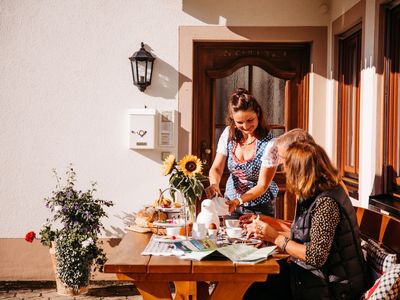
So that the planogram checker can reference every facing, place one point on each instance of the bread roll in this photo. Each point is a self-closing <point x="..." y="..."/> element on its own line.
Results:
<point x="145" y="216"/>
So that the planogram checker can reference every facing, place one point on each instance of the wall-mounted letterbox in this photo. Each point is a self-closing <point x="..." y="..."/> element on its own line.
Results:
<point x="142" y="130"/>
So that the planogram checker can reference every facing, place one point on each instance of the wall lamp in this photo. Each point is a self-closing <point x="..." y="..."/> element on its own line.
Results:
<point x="142" y="68"/>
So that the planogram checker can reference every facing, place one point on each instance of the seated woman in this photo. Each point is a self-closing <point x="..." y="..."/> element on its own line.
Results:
<point x="326" y="261"/>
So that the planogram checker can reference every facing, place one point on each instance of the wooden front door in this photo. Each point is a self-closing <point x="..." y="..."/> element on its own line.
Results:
<point x="275" y="73"/>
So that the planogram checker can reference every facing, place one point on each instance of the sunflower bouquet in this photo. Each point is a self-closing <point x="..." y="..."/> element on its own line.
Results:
<point x="186" y="176"/>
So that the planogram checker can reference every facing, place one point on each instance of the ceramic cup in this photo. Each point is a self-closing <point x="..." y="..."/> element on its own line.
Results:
<point x="232" y="223"/>
<point x="234" y="232"/>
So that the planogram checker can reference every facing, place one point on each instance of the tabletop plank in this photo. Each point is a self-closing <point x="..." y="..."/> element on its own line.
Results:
<point x="213" y="266"/>
<point x="168" y="264"/>
<point x="126" y="257"/>
<point x="269" y="266"/>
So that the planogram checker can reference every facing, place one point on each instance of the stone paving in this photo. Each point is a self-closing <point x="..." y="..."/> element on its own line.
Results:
<point x="46" y="290"/>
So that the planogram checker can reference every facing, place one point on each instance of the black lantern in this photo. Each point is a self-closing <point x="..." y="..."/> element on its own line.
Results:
<point x="142" y="68"/>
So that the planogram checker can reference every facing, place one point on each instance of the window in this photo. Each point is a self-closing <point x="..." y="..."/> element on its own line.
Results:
<point x="392" y="102"/>
<point x="267" y="89"/>
<point x="349" y="108"/>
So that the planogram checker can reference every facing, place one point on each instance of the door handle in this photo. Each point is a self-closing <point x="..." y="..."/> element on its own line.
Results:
<point x="205" y="152"/>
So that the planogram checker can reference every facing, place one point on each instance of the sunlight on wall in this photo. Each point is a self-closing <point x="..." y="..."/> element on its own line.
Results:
<point x="319" y="110"/>
<point x="329" y="116"/>
<point x="311" y="101"/>
<point x="368" y="132"/>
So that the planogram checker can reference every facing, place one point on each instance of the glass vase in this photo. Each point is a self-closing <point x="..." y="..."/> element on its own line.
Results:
<point x="191" y="212"/>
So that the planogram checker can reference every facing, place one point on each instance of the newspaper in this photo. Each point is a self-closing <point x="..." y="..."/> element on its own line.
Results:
<point x="238" y="253"/>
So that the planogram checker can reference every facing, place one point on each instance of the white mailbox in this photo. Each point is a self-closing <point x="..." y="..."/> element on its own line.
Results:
<point x="143" y="128"/>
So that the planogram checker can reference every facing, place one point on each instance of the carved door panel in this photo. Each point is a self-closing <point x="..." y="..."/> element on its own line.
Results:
<point x="276" y="74"/>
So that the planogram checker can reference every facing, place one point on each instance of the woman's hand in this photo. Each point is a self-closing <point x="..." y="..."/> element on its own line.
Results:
<point x="232" y="204"/>
<point x="246" y="219"/>
<point x="278" y="224"/>
<point x="262" y="231"/>
<point x="213" y="190"/>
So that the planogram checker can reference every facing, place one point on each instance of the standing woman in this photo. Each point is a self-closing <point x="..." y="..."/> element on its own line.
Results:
<point x="326" y="261"/>
<point x="241" y="146"/>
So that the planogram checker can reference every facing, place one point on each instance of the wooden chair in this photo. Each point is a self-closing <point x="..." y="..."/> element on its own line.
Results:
<point x="383" y="229"/>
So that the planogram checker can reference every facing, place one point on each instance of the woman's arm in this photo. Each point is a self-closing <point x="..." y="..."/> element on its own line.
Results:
<point x="264" y="180"/>
<point x="280" y="225"/>
<point x="266" y="232"/>
<point x="218" y="165"/>
<point x="215" y="175"/>
<point x="324" y="221"/>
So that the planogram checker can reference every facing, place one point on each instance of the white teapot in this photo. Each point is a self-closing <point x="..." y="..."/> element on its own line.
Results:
<point x="208" y="214"/>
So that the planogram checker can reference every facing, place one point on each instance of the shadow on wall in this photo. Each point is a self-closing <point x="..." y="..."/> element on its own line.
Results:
<point x="164" y="83"/>
<point x="127" y="219"/>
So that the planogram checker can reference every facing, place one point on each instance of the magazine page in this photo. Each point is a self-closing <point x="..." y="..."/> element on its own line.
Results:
<point x="195" y="245"/>
<point x="246" y="254"/>
<point x="159" y="248"/>
<point x="164" y="246"/>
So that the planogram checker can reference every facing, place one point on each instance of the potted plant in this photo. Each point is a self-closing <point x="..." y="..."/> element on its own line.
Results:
<point x="73" y="233"/>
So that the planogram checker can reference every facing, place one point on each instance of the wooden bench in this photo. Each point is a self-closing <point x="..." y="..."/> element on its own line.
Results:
<point x="383" y="229"/>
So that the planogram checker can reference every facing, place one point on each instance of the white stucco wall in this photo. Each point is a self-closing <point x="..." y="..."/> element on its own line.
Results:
<point x="66" y="88"/>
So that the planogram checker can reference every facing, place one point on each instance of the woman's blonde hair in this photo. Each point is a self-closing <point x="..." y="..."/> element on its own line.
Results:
<point x="309" y="170"/>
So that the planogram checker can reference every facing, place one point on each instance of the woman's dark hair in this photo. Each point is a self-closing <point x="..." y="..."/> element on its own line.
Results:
<point x="241" y="100"/>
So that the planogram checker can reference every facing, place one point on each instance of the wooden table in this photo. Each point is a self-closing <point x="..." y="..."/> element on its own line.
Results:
<point x="152" y="274"/>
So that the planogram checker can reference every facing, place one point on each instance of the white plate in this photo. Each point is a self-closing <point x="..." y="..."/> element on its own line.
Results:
<point x="175" y="223"/>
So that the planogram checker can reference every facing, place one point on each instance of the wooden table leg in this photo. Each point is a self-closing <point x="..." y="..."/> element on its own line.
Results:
<point x="185" y="290"/>
<point x="151" y="290"/>
<point x="230" y="290"/>
<point x="191" y="290"/>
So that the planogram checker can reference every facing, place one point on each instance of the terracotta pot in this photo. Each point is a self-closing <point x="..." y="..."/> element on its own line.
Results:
<point x="61" y="288"/>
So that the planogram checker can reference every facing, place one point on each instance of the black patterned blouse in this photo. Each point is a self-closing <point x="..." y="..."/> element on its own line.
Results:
<point x="324" y="220"/>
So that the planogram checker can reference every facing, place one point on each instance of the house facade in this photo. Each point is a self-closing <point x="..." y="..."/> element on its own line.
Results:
<point x="331" y="67"/>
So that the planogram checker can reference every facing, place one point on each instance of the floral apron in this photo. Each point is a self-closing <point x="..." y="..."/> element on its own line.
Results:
<point x="244" y="176"/>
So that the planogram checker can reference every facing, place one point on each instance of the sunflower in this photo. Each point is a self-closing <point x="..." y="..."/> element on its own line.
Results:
<point x="169" y="164"/>
<point x="190" y="165"/>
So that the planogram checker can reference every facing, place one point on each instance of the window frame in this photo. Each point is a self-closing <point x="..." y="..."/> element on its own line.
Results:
<point x="391" y="98"/>
<point x="349" y="43"/>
